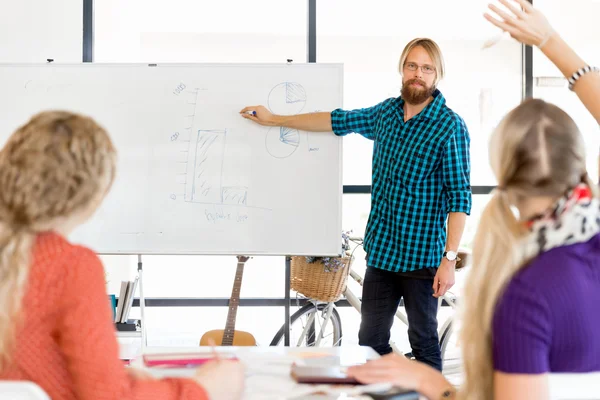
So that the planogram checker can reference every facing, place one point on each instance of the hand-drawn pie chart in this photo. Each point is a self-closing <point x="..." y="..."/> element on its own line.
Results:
<point x="282" y="142"/>
<point x="287" y="98"/>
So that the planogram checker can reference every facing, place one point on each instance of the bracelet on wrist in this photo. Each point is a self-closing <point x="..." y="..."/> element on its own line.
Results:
<point x="579" y="73"/>
<point x="547" y="37"/>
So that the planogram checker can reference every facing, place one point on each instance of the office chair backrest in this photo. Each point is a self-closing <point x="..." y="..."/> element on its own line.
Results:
<point x="21" y="390"/>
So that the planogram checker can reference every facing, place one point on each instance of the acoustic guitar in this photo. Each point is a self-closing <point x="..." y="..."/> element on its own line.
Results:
<point x="229" y="336"/>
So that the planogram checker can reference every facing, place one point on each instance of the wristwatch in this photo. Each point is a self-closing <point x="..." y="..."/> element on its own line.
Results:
<point x="451" y="255"/>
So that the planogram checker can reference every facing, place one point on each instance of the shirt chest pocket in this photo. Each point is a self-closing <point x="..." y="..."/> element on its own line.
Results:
<point x="418" y="165"/>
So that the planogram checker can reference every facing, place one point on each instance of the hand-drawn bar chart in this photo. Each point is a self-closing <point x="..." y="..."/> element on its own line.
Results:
<point x="205" y="166"/>
<point x="236" y="195"/>
<point x="204" y="183"/>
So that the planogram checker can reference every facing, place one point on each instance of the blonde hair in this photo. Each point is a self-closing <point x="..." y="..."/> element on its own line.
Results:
<point x="434" y="52"/>
<point x="537" y="150"/>
<point x="57" y="165"/>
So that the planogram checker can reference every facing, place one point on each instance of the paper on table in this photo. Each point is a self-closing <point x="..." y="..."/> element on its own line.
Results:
<point x="266" y="362"/>
<point x="270" y="387"/>
<point x="343" y="391"/>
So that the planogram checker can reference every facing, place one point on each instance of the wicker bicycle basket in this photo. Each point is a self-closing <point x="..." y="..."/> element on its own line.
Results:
<point x="312" y="281"/>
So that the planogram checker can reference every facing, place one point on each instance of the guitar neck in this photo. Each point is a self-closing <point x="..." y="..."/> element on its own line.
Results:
<point x="234" y="302"/>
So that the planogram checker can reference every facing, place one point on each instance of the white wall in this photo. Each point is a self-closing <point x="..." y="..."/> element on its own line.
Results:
<point x="200" y="31"/>
<point x="34" y="30"/>
<point x="576" y="22"/>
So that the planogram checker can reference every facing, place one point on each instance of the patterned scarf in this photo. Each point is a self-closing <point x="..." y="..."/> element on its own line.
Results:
<point x="575" y="218"/>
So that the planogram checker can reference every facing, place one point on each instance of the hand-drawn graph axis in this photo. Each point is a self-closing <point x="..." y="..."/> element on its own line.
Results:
<point x="205" y="158"/>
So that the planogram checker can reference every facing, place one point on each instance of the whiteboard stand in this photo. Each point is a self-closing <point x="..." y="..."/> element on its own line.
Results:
<point x="286" y="324"/>
<point x="142" y="305"/>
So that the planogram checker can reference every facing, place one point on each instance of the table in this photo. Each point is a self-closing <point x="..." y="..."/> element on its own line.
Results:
<point x="268" y="369"/>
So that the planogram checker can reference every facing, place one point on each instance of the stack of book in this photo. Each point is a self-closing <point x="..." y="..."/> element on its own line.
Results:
<point x="124" y="304"/>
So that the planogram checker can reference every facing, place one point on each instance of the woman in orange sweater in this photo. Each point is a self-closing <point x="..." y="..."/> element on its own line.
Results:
<point x="55" y="322"/>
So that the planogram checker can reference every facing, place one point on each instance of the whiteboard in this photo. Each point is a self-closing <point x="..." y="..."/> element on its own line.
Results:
<point x="194" y="177"/>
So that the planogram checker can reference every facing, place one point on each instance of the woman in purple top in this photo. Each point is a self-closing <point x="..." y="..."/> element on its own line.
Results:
<point x="531" y="301"/>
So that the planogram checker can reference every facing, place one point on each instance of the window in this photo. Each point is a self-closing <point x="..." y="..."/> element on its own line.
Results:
<point x="581" y="31"/>
<point x="182" y="31"/>
<point x="30" y="32"/>
<point x="479" y="203"/>
<point x="184" y="326"/>
<point x="192" y="31"/>
<point x="368" y="38"/>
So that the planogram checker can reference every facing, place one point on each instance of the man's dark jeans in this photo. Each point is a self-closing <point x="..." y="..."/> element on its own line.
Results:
<point x="382" y="292"/>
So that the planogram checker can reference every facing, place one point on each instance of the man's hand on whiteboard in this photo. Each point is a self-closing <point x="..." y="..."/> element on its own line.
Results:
<point x="312" y="122"/>
<point x="260" y="115"/>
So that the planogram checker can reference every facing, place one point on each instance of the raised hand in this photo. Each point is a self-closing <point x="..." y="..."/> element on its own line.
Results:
<point x="524" y="23"/>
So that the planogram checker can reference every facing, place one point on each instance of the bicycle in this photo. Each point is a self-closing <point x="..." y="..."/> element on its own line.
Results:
<point x="330" y="318"/>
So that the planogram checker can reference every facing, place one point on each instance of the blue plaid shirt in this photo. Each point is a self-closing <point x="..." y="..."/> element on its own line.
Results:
<point x="421" y="172"/>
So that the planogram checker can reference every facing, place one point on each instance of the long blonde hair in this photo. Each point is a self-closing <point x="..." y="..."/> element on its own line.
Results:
<point x="537" y="150"/>
<point x="52" y="169"/>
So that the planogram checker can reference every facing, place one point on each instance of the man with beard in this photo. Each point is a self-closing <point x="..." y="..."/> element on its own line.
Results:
<point x="421" y="178"/>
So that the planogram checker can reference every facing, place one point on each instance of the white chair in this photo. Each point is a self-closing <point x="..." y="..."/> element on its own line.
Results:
<point x="21" y="390"/>
<point x="580" y="386"/>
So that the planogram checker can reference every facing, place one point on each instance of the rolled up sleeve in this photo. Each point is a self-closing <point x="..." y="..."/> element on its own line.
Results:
<point x="456" y="169"/>
<point x="362" y="121"/>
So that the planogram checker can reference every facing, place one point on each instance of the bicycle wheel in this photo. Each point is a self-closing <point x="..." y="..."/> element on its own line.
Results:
<point x="451" y="356"/>
<point x="307" y="323"/>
